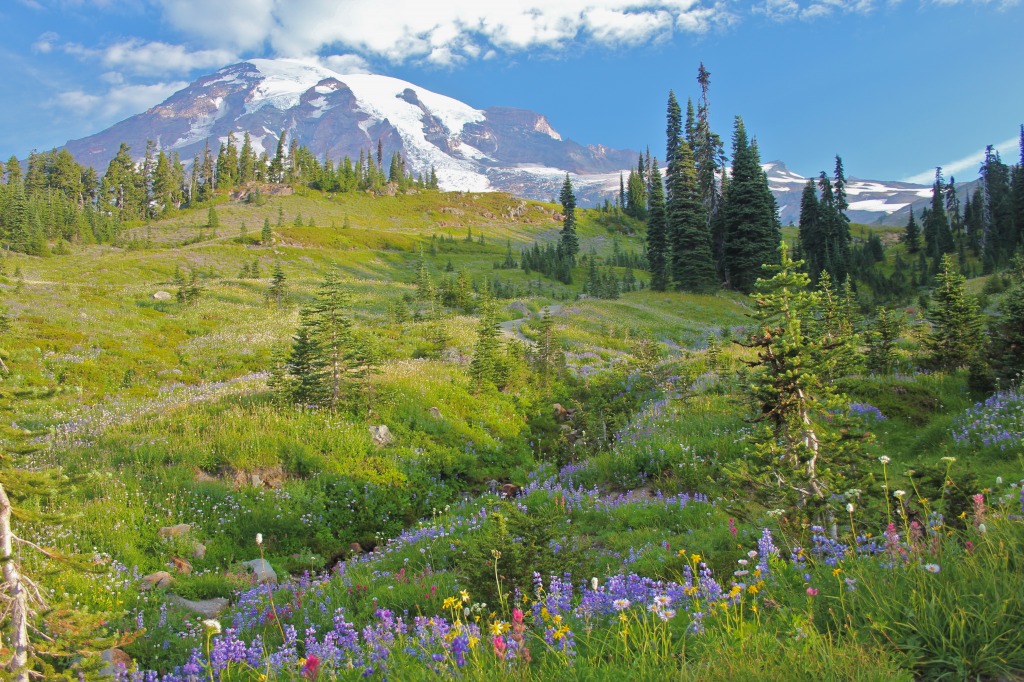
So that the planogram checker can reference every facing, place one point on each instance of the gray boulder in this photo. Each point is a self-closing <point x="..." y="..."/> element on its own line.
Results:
<point x="262" y="569"/>
<point x="381" y="435"/>
<point x="209" y="608"/>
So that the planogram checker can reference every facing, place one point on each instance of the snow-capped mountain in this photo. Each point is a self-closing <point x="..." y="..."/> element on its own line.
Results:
<point x="871" y="201"/>
<point x="498" y="148"/>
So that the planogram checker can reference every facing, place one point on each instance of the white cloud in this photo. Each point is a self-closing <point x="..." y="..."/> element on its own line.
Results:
<point x="970" y="163"/>
<point x="786" y="10"/>
<point x="154" y="58"/>
<point x="443" y="32"/>
<point x="345" y="63"/>
<point x="118" y="102"/>
<point x="45" y="43"/>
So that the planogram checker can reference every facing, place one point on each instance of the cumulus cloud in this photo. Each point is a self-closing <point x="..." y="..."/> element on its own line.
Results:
<point x="151" y="58"/>
<point x="45" y="43"/>
<point x="809" y="10"/>
<point x="119" y="101"/>
<point x="443" y="32"/>
<point x="968" y="164"/>
<point x="345" y="63"/>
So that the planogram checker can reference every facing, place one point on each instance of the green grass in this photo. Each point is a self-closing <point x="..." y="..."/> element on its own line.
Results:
<point x="163" y="417"/>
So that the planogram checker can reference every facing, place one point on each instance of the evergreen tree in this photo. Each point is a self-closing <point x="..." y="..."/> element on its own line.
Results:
<point x="673" y="129"/>
<point x="276" y="291"/>
<point x="911" y="234"/>
<point x="657" y="236"/>
<point x="709" y="159"/>
<point x="568" y="241"/>
<point x="276" y="172"/>
<point x="636" y="192"/>
<point x="881" y="342"/>
<point x="266" y="236"/>
<point x="955" y="338"/>
<point x="212" y="219"/>
<point x="751" y="222"/>
<point x="812" y="245"/>
<point x="1006" y="332"/>
<point x="937" y="235"/>
<point x="998" y="234"/>
<point x="307" y="368"/>
<point x="343" y="358"/>
<point x="800" y="455"/>
<point x="693" y="267"/>
<point x="246" y="161"/>
<point x="545" y="356"/>
<point x="1018" y="195"/>
<point x="486" y="366"/>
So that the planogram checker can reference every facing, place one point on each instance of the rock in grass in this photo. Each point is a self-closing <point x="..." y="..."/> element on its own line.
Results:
<point x="210" y="608"/>
<point x="381" y="435"/>
<point x="162" y="296"/>
<point x="174" y="531"/>
<point x="115" y="662"/>
<point x="158" y="579"/>
<point x="181" y="566"/>
<point x="435" y="413"/>
<point x="199" y="551"/>
<point x="262" y="569"/>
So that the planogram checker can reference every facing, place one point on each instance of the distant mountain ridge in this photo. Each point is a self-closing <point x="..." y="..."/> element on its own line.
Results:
<point x="498" y="148"/>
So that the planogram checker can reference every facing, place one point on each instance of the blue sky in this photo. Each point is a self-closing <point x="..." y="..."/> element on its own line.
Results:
<point x="894" y="86"/>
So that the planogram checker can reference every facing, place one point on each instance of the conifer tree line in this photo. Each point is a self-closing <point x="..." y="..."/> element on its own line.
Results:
<point x="705" y="227"/>
<point x="51" y="198"/>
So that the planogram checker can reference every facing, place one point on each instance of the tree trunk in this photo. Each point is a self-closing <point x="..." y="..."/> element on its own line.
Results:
<point x="18" y="664"/>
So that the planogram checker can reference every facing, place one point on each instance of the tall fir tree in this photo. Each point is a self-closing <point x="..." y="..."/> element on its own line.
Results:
<point x="937" y="236"/>
<point x="673" y="128"/>
<point x="911" y="234"/>
<point x="811" y="238"/>
<point x="568" y="240"/>
<point x="693" y="266"/>
<point x="709" y="159"/>
<point x="486" y="366"/>
<point x="955" y="338"/>
<point x="658" y="247"/>
<point x="751" y="221"/>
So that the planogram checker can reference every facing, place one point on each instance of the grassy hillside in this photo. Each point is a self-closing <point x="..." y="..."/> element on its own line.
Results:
<point x="626" y="548"/>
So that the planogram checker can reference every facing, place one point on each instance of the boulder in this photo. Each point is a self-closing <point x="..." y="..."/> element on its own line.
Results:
<point x="159" y="296"/>
<point x="174" y="531"/>
<point x="262" y="569"/>
<point x="435" y="413"/>
<point x="210" y="608"/>
<point x="181" y="566"/>
<point x="158" y="579"/>
<point x="381" y="435"/>
<point x="114" y="660"/>
<point x="518" y="307"/>
<point x="510" y="490"/>
<point x="199" y="551"/>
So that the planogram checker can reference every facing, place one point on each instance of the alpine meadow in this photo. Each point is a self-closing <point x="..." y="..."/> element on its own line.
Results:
<point x="353" y="380"/>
